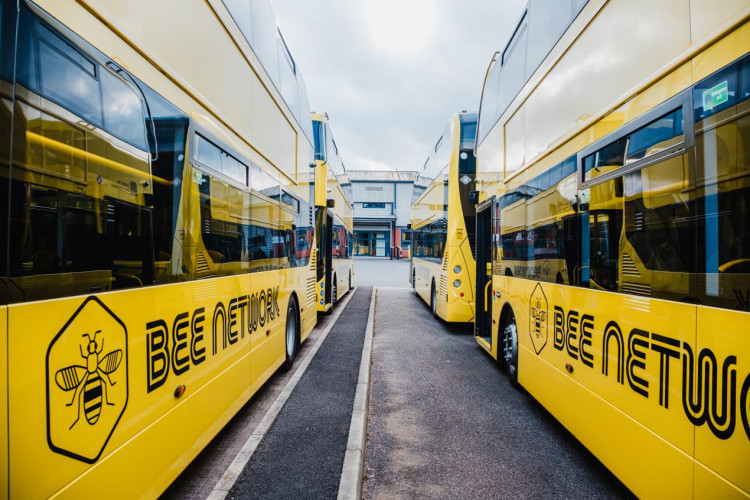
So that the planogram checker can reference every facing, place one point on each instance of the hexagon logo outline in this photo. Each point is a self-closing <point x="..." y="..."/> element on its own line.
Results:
<point x="90" y="381"/>
<point x="538" y="314"/>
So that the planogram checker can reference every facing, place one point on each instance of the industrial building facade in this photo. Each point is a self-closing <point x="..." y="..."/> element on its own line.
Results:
<point x="382" y="210"/>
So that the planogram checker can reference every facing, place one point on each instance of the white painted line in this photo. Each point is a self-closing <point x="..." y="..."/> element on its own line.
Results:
<point x="350" y="486"/>
<point x="234" y="470"/>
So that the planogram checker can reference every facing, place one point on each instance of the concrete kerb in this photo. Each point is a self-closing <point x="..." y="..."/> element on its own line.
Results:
<point x="350" y="486"/>
<point x="234" y="470"/>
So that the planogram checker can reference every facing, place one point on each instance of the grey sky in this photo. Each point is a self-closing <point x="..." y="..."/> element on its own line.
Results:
<point x="389" y="73"/>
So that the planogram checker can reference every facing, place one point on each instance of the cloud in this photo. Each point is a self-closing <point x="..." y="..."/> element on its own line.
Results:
<point x="390" y="73"/>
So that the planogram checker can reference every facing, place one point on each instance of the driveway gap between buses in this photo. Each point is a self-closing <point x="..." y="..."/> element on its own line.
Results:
<point x="302" y="454"/>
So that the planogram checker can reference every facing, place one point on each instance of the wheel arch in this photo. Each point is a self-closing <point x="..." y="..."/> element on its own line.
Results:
<point x="505" y="313"/>
<point x="293" y="297"/>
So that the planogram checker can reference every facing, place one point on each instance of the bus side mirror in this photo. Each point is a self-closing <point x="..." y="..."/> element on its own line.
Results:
<point x="474" y="197"/>
<point x="330" y="203"/>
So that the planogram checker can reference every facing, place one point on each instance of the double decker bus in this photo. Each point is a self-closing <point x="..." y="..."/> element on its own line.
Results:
<point x="614" y="176"/>
<point x="156" y="234"/>
<point x="442" y="223"/>
<point x="334" y="218"/>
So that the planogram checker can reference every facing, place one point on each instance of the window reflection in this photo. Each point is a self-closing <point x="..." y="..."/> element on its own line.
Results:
<point x="69" y="78"/>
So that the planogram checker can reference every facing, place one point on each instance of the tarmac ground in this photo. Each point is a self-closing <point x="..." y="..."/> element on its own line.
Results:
<point x="443" y="420"/>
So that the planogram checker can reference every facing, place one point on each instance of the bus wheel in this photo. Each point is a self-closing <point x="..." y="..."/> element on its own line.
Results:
<point x="334" y="292"/>
<point x="414" y="281"/>
<point x="510" y="348"/>
<point x="433" y="300"/>
<point x="292" y="334"/>
<point x="350" y="279"/>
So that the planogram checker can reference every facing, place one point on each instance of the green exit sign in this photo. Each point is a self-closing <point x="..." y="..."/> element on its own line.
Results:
<point x="716" y="95"/>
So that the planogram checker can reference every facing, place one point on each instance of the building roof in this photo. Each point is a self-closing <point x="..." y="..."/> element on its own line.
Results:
<point x="382" y="175"/>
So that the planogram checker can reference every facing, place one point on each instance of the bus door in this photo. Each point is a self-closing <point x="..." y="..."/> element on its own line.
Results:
<point x="328" y="235"/>
<point x="484" y="238"/>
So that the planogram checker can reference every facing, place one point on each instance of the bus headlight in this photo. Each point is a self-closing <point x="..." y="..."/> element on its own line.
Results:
<point x="457" y="283"/>
<point x="457" y="269"/>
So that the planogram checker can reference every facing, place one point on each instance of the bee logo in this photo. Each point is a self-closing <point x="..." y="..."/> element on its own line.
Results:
<point x="539" y="316"/>
<point x="538" y="312"/>
<point x="91" y="381"/>
<point x="87" y="382"/>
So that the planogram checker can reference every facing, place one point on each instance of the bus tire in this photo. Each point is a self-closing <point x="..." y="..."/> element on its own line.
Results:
<point x="335" y="291"/>
<point x="350" y="279"/>
<point x="509" y="336"/>
<point x="414" y="281"/>
<point x="433" y="300"/>
<point x="291" y="330"/>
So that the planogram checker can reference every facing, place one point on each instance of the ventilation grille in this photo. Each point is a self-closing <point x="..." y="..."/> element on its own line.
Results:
<point x="444" y="286"/>
<point x="628" y="266"/>
<point x="445" y="261"/>
<point x="637" y="289"/>
<point x="311" y="279"/>
<point x="203" y="266"/>
<point x="639" y="221"/>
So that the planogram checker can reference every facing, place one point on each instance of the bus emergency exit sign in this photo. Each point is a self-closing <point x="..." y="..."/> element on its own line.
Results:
<point x="716" y="95"/>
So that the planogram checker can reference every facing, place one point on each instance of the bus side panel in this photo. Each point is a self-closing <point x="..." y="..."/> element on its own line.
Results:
<point x="705" y="17"/>
<point x="425" y="272"/>
<point x="93" y="392"/>
<point x="631" y="383"/>
<point x="666" y="30"/>
<point x="647" y="464"/>
<point x="724" y="447"/>
<point x="4" y="403"/>
<point x="708" y="484"/>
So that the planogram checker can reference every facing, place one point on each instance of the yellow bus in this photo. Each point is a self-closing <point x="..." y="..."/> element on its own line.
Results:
<point x="613" y="164"/>
<point x="334" y="218"/>
<point x="157" y="230"/>
<point x="442" y="223"/>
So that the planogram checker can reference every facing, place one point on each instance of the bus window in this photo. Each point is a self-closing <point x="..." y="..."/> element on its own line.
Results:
<point x="656" y="136"/>
<point x="123" y="111"/>
<point x="69" y="244"/>
<point x="68" y="77"/>
<point x="723" y="160"/>
<point x="658" y="252"/>
<point x="606" y="159"/>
